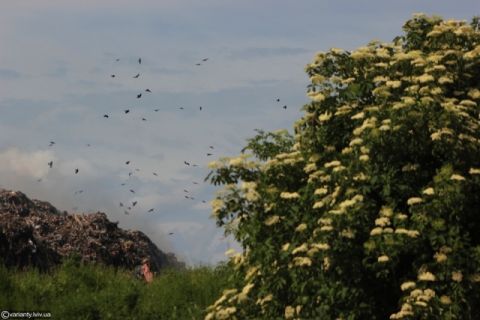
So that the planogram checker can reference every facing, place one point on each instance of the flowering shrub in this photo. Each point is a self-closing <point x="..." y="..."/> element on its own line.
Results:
<point x="372" y="209"/>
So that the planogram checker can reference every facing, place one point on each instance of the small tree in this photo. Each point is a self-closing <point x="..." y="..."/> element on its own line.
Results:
<point x="372" y="209"/>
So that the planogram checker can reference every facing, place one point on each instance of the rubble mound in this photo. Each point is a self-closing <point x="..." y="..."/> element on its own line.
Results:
<point x="35" y="233"/>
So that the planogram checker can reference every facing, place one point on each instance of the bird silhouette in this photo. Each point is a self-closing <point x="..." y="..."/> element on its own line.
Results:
<point x="148" y="90"/>
<point x="51" y="143"/>
<point x="76" y="171"/>
<point x="204" y="201"/>
<point x="181" y="108"/>
<point x="211" y="147"/>
<point x="194" y="182"/>
<point x="198" y="64"/>
<point x="186" y="163"/>
<point x="209" y="154"/>
<point x="139" y="60"/>
<point x="105" y="115"/>
<point x="185" y="190"/>
<point x="278" y="99"/>
<point x="127" y="162"/>
<point x="156" y="110"/>
<point x="132" y="191"/>
<point x="200" y="108"/>
<point x="205" y="59"/>
<point x="136" y="76"/>
<point x="285" y="107"/>
<point x="151" y="210"/>
<point x="113" y="76"/>
<point x="78" y="192"/>
<point x="155" y="174"/>
<point x="121" y="204"/>
<point x="139" y="96"/>
<point x="170" y="233"/>
<point x="122" y="184"/>
<point x="127" y="111"/>
<point x="134" y="203"/>
<point x="50" y="164"/>
<point x="118" y="59"/>
<point x="143" y="119"/>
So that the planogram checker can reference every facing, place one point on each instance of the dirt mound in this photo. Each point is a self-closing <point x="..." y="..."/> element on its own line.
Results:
<point x="34" y="233"/>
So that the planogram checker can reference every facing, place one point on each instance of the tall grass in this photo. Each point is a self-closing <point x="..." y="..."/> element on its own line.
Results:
<point x="77" y="291"/>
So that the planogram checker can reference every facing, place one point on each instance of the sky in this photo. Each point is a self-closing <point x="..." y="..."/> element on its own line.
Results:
<point x="57" y="58"/>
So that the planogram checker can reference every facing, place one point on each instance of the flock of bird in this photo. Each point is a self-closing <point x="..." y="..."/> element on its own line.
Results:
<point x="127" y="208"/>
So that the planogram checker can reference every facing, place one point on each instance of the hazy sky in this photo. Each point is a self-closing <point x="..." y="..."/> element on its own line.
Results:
<point x="56" y="62"/>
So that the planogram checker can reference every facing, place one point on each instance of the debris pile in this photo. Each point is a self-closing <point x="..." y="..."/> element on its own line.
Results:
<point x="34" y="233"/>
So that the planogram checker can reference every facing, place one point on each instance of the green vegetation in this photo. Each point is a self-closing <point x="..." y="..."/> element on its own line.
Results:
<point x="76" y="291"/>
<point x="371" y="210"/>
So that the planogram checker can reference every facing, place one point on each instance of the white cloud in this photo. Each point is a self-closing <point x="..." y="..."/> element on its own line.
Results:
<point x="23" y="163"/>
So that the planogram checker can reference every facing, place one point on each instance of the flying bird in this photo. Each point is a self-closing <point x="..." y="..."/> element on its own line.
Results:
<point x="211" y="147"/>
<point x="148" y="90"/>
<point x="139" y="96"/>
<point x="181" y="108"/>
<point x="285" y="107"/>
<point x="194" y="182"/>
<point x="121" y="204"/>
<point x="127" y="111"/>
<point x="151" y="210"/>
<point x="76" y="171"/>
<point x="88" y="144"/>
<point x="134" y="203"/>
<point x="128" y="162"/>
<point x="122" y="184"/>
<point x="50" y="164"/>
<point x="205" y="59"/>
<point x="278" y="99"/>
<point x="113" y="76"/>
<point x="204" y="201"/>
<point x="200" y="108"/>
<point x="143" y="119"/>
<point x="198" y="64"/>
<point x="136" y="76"/>
<point x="105" y="115"/>
<point x="185" y="190"/>
<point x="51" y="143"/>
<point x="78" y="192"/>
<point x="186" y="163"/>
<point x="156" y="110"/>
<point x="170" y="233"/>
<point x="132" y="191"/>
<point x="155" y="174"/>
<point x="118" y="59"/>
<point x="139" y="60"/>
<point x="209" y="154"/>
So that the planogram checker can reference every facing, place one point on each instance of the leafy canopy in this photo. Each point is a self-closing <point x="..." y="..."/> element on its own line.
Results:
<point x="372" y="209"/>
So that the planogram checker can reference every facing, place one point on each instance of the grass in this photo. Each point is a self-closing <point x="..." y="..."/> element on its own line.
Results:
<point x="78" y="291"/>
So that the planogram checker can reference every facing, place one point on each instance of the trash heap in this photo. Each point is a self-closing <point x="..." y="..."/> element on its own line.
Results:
<point x="35" y="233"/>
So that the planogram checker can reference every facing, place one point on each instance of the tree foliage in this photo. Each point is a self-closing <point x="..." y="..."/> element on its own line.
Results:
<point x="372" y="209"/>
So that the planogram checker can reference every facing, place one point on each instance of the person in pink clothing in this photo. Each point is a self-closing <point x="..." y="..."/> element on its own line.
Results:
<point x="147" y="274"/>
